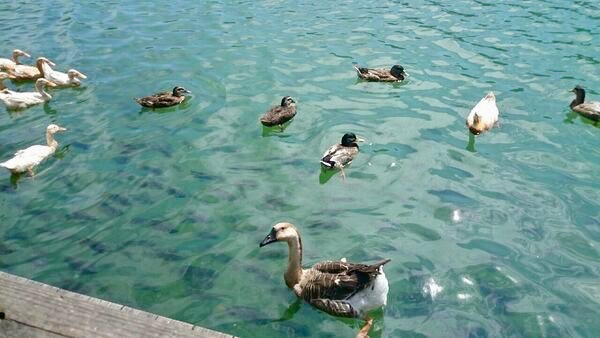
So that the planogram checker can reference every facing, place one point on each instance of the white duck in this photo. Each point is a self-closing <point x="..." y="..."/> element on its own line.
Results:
<point x="20" y="100"/>
<point x="25" y="72"/>
<point x="71" y="78"/>
<point x="9" y="64"/>
<point x="484" y="116"/>
<point x="337" y="287"/>
<point x="27" y="159"/>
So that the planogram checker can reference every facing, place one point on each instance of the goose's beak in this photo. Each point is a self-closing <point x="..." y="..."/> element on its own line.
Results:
<point x="271" y="237"/>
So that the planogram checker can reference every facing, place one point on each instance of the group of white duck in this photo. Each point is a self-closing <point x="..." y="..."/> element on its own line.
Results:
<point x="336" y="287"/>
<point x="26" y="160"/>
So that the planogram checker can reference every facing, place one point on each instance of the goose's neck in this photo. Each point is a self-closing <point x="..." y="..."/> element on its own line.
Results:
<point x="42" y="91"/>
<point x="51" y="141"/>
<point x="293" y="274"/>
<point x="579" y="99"/>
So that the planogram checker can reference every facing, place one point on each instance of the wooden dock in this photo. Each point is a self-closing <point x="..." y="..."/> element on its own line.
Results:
<point x="32" y="309"/>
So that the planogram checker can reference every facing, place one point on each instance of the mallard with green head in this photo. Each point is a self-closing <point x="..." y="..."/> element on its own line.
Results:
<point x="394" y="74"/>
<point x="164" y="99"/>
<point x="279" y="115"/>
<point x="340" y="155"/>
<point x="591" y="109"/>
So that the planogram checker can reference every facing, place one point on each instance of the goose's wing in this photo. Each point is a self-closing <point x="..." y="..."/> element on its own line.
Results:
<point x="338" y="280"/>
<point x="278" y="115"/>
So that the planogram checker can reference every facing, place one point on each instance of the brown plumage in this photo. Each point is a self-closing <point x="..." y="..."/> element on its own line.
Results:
<point x="394" y="74"/>
<point x="279" y="115"/>
<point x="336" y="287"/>
<point x="163" y="99"/>
<point x="591" y="110"/>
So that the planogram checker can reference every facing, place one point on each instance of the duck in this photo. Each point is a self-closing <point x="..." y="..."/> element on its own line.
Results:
<point x="70" y="78"/>
<point x="8" y="64"/>
<point x="25" y="72"/>
<point x="338" y="288"/>
<point x="20" y="100"/>
<point x="591" y="109"/>
<point x="29" y="158"/>
<point x="394" y="74"/>
<point x="484" y="116"/>
<point x="164" y="99"/>
<point x="278" y="115"/>
<point x="340" y="155"/>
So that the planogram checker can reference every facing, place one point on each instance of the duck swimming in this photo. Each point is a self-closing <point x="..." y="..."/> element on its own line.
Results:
<point x="394" y="74"/>
<point x="279" y="115"/>
<point x="9" y="64"/>
<point x="340" y="155"/>
<point x="164" y="99"/>
<point x="339" y="288"/>
<point x="591" y="109"/>
<point x="27" y="159"/>
<point x="70" y="78"/>
<point x="484" y="116"/>
<point x="19" y="100"/>
<point x="25" y="72"/>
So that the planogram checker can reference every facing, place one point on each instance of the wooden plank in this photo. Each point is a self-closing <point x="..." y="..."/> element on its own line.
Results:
<point x="41" y="310"/>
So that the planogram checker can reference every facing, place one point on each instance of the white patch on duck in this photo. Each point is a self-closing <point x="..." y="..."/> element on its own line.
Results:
<point x="70" y="78"/>
<point x="484" y="116"/>
<point x="20" y="100"/>
<point x="372" y="297"/>
<point x="27" y="159"/>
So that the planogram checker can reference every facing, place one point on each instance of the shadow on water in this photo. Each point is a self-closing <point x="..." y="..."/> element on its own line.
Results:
<point x="471" y="143"/>
<point x="276" y="130"/>
<point x="326" y="175"/>
<point x="571" y="116"/>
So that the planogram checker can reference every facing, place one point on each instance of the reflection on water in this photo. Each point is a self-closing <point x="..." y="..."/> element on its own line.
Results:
<point x="163" y="209"/>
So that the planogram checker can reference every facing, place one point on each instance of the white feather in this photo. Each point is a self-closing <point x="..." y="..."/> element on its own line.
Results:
<point x="487" y="112"/>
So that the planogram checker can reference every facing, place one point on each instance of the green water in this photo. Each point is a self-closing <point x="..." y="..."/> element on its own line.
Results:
<point x="163" y="210"/>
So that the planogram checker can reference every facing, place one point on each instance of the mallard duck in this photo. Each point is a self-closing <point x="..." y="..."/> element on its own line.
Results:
<point x="340" y="155"/>
<point x="484" y="116"/>
<point x="71" y="78"/>
<point x="27" y="159"/>
<point x="394" y="74"/>
<point x="164" y="99"/>
<point x="25" y="72"/>
<point x="19" y="100"/>
<point x="279" y="115"/>
<point x="591" y="109"/>
<point x="336" y="287"/>
<point x="9" y="64"/>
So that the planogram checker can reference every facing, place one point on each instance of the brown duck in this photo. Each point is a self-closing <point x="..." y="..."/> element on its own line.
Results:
<point x="164" y="99"/>
<point x="279" y="115"/>
<point x="591" y="110"/>
<point x="336" y="287"/>
<point x="394" y="74"/>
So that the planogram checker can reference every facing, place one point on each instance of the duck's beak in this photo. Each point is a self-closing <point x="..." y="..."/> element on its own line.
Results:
<point x="62" y="129"/>
<point x="572" y="90"/>
<point x="81" y="75"/>
<point x="51" y="84"/>
<point x="25" y="54"/>
<point x="360" y="139"/>
<point x="187" y="91"/>
<point x="271" y="237"/>
<point x="51" y="63"/>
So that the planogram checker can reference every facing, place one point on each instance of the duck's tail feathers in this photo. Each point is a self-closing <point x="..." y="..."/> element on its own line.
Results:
<point x="327" y="164"/>
<point x="378" y="265"/>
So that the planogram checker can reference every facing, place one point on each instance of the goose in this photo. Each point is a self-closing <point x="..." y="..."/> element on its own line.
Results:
<point x="394" y="74"/>
<point x="27" y="159"/>
<point x="7" y="64"/>
<point x="70" y="78"/>
<point x="484" y="116"/>
<point x="591" y="109"/>
<point x="337" y="287"/>
<point x="20" y="100"/>
<point x="279" y="115"/>
<point x="164" y="99"/>
<point x="25" y="72"/>
<point x="340" y="155"/>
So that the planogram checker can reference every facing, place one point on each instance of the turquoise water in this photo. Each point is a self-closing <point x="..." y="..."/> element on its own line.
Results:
<point x="163" y="210"/>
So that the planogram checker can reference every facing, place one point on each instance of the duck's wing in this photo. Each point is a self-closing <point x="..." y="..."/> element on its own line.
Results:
<point x="162" y="99"/>
<point x="368" y="73"/>
<point x="339" y="156"/>
<point x="278" y="115"/>
<point x="327" y="285"/>
<point x="590" y="110"/>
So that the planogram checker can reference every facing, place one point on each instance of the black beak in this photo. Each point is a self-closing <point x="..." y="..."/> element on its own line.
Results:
<point x="271" y="237"/>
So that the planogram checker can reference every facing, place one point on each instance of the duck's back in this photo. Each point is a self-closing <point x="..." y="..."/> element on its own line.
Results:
<point x="278" y="115"/>
<point x="28" y="157"/>
<point x="590" y="110"/>
<point x="160" y="100"/>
